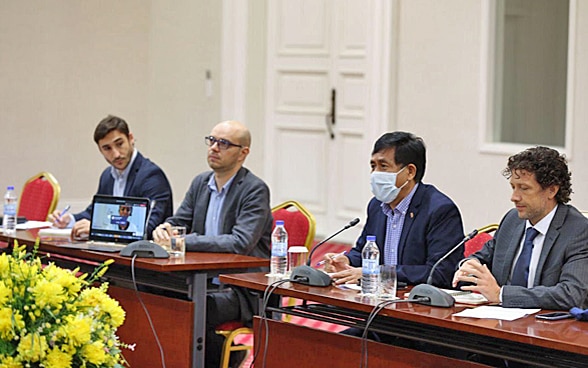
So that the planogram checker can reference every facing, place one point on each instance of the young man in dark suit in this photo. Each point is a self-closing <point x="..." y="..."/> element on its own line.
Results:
<point x="130" y="174"/>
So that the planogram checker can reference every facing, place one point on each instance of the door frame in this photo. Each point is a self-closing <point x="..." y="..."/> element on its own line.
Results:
<point x="382" y="68"/>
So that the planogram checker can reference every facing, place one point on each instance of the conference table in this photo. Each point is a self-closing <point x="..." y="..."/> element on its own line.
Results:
<point x="527" y="340"/>
<point x="176" y="302"/>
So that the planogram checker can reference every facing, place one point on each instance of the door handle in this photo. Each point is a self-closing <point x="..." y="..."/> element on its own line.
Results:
<point x="329" y="127"/>
<point x="331" y="117"/>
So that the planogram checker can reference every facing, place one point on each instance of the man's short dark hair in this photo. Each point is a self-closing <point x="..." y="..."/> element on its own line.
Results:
<point x="107" y="125"/>
<point x="408" y="149"/>
<point x="550" y="168"/>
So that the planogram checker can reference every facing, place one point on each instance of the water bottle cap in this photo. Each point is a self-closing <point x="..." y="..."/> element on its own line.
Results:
<point x="279" y="222"/>
<point x="371" y="238"/>
<point x="10" y="187"/>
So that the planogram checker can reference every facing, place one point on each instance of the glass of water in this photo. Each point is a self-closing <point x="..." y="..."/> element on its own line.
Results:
<point x="387" y="289"/>
<point x="178" y="241"/>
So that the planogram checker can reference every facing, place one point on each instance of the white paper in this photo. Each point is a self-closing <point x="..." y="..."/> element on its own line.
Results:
<point x="350" y="286"/>
<point x="496" y="312"/>
<point x="33" y="225"/>
<point x="55" y="233"/>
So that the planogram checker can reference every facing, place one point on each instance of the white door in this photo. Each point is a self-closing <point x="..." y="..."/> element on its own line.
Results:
<point x="327" y="101"/>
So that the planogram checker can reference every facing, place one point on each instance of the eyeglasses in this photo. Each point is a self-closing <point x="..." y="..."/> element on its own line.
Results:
<point x="223" y="144"/>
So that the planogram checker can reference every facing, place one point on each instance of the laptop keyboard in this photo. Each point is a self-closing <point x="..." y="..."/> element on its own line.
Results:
<point x="93" y="244"/>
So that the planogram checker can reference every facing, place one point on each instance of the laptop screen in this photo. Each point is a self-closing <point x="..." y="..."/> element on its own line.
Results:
<point x="118" y="219"/>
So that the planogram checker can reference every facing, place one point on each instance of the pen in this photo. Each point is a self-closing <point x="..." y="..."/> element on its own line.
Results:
<point x="63" y="213"/>
<point x="333" y="257"/>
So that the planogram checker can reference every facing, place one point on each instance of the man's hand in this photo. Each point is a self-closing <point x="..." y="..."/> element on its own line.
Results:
<point x="338" y="264"/>
<point x="350" y="274"/>
<point x="81" y="229"/>
<point x="59" y="222"/>
<point x="162" y="233"/>
<point x="484" y="282"/>
<point x="335" y="262"/>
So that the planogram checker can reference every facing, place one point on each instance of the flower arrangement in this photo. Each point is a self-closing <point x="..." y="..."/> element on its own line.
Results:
<point x="51" y="318"/>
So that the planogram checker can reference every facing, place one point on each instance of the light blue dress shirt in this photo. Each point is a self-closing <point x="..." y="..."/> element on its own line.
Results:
<point x="394" y="225"/>
<point x="215" y="205"/>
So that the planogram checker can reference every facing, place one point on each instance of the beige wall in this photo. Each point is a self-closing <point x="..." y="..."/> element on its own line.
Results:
<point x="439" y="88"/>
<point x="255" y="83"/>
<point x="440" y="84"/>
<point x="185" y="40"/>
<point x="64" y="65"/>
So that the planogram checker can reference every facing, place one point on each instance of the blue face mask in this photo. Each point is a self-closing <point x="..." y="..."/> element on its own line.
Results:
<point x="384" y="185"/>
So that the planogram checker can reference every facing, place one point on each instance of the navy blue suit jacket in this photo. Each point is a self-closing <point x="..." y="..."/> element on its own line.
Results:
<point x="145" y="180"/>
<point x="432" y="227"/>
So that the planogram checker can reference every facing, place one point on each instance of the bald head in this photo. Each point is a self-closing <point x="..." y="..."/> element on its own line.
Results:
<point x="237" y="130"/>
<point x="227" y="159"/>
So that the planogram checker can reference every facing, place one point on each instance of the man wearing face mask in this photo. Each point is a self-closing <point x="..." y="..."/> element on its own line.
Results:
<point x="414" y="223"/>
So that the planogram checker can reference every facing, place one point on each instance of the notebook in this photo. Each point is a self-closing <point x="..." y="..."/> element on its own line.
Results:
<point x="115" y="222"/>
<point x="466" y="297"/>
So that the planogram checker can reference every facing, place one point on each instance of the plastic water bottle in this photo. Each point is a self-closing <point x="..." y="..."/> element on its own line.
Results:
<point x="370" y="267"/>
<point x="9" y="219"/>
<point x="279" y="260"/>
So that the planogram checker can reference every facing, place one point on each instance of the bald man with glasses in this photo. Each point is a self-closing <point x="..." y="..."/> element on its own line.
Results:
<point x="225" y="210"/>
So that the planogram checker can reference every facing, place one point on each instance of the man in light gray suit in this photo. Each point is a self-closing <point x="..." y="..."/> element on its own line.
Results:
<point x="225" y="210"/>
<point x="539" y="255"/>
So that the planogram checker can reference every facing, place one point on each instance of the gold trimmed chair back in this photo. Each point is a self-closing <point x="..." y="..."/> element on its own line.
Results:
<point x="39" y="197"/>
<point x="298" y="221"/>
<point x="477" y="242"/>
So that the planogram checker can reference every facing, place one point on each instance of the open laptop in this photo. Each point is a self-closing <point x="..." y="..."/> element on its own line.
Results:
<point x="115" y="222"/>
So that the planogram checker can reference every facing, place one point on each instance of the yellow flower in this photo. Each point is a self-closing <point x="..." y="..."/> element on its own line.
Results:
<point x="10" y="321"/>
<point x="77" y="330"/>
<point x="4" y="268"/>
<point x="51" y="318"/>
<point x="5" y="293"/>
<point x="94" y="353"/>
<point x="117" y="314"/>
<point x="32" y="347"/>
<point x="65" y="278"/>
<point x="10" y="362"/>
<point x="47" y="293"/>
<point x="57" y="359"/>
<point x="91" y="297"/>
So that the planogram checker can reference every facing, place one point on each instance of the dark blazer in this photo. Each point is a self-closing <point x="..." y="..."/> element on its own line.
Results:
<point x="245" y="216"/>
<point x="145" y="180"/>
<point x="561" y="279"/>
<point x="432" y="227"/>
